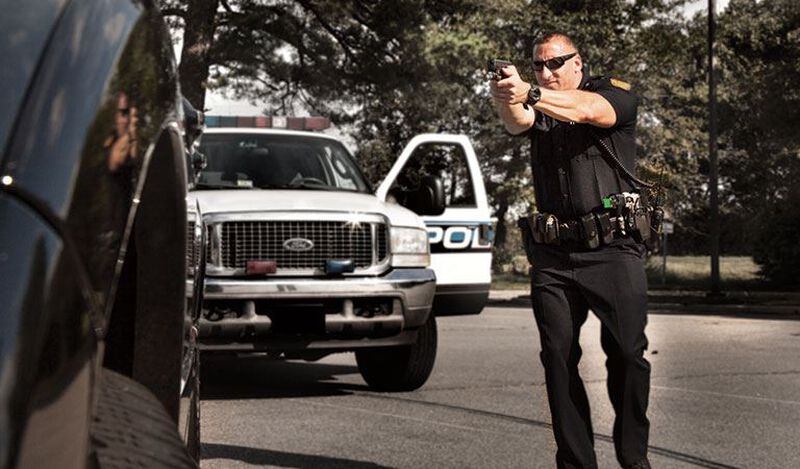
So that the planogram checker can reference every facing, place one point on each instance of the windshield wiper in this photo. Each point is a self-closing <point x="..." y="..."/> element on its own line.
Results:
<point x="309" y="185"/>
<point x="294" y="187"/>
<point x="297" y="184"/>
<point x="205" y="185"/>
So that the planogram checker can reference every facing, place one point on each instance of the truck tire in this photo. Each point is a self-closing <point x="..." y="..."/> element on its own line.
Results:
<point x="131" y="429"/>
<point x="397" y="369"/>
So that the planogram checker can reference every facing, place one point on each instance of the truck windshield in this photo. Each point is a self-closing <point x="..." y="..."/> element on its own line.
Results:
<point x="275" y="161"/>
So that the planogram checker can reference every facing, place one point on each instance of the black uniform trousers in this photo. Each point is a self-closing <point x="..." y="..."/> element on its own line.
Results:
<point x="611" y="281"/>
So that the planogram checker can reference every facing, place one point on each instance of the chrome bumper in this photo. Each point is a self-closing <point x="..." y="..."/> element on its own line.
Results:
<point x="409" y="291"/>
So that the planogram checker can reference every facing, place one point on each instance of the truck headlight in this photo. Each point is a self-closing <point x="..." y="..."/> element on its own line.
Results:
<point x="409" y="247"/>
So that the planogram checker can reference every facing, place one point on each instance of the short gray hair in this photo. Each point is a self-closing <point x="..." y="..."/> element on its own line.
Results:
<point x="552" y="36"/>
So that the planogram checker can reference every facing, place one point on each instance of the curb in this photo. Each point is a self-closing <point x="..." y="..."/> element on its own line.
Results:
<point x="785" y="311"/>
<point x="789" y="311"/>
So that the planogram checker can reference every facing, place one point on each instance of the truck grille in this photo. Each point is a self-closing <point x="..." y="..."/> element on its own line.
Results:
<point x="240" y="241"/>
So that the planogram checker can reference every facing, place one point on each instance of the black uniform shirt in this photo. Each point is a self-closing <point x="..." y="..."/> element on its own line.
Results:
<point x="570" y="175"/>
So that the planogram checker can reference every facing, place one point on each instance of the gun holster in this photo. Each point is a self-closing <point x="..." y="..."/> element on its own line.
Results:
<point x="641" y="226"/>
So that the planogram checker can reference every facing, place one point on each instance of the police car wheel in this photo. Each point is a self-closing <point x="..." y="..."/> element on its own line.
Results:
<point x="397" y="369"/>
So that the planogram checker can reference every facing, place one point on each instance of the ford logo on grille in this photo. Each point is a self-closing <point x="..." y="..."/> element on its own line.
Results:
<point x="298" y="244"/>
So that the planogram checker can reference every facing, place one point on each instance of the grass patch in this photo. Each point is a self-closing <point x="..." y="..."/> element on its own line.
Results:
<point x="510" y="282"/>
<point x="695" y="271"/>
<point x="689" y="272"/>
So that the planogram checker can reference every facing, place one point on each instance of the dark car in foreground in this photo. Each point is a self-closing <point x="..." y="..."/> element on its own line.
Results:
<point x="98" y="364"/>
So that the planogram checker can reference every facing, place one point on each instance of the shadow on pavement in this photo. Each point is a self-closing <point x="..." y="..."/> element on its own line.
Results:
<point x="232" y="377"/>
<point x="264" y="457"/>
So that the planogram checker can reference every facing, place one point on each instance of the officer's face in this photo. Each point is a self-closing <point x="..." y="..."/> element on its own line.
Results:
<point x="565" y="77"/>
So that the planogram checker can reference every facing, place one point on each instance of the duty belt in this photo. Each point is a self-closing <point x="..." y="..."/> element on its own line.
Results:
<point x="589" y="231"/>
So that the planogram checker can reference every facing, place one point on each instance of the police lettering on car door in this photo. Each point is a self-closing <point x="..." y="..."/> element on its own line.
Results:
<point x="456" y="238"/>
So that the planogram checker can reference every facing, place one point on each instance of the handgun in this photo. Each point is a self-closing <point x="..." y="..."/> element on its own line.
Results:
<point x="495" y="68"/>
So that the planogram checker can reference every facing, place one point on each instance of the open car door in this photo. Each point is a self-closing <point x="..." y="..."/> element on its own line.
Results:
<point x="461" y="237"/>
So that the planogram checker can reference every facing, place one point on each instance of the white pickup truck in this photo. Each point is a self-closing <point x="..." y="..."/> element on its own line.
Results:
<point x="303" y="259"/>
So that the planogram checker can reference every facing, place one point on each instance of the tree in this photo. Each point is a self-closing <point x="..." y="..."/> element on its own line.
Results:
<point x="761" y="116"/>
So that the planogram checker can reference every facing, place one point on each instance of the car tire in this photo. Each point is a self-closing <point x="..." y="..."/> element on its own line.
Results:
<point x="398" y="369"/>
<point x="131" y="429"/>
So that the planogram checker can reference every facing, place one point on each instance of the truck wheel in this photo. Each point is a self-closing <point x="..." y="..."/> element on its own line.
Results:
<point x="404" y="368"/>
<point x="131" y="429"/>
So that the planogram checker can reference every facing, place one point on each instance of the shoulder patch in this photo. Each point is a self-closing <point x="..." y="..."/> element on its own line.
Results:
<point x="621" y="84"/>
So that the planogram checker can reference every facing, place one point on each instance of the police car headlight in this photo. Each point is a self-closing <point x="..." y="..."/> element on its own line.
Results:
<point x="409" y="247"/>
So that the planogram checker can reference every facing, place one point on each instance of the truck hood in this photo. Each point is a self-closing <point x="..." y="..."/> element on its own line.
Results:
<point x="255" y="200"/>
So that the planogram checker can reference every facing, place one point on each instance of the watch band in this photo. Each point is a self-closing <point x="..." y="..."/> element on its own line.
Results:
<point x="534" y="95"/>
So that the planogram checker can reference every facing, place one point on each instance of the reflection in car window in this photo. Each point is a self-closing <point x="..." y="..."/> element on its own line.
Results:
<point x="239" y="160"/>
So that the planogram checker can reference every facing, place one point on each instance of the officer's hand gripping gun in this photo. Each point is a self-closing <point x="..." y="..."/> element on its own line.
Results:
<point x="495" y="68"/>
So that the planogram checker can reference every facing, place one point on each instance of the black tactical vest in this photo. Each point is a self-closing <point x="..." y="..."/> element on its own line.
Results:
<point x="570" y="174"/>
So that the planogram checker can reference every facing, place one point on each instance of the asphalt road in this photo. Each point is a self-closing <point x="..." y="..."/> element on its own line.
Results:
<point x="725" y="393"/>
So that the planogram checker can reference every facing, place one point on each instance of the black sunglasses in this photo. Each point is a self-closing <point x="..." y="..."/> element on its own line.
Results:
<point x="124" y="111"/>
<point x="553" y="64"/>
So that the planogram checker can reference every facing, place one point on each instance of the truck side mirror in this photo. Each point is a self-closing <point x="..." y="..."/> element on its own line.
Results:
<point x="428" y="199"/>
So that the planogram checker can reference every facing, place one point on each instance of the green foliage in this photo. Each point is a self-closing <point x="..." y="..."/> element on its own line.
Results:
<point x="759" y="118"/>
<point x="761" y="112"/>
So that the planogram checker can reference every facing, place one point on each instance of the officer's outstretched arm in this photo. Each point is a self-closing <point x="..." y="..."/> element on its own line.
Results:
<point x="508" y="95"/>
<point x="582" y="107"/>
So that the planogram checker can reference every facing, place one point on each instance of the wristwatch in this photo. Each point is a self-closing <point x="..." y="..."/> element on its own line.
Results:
<point x="534" y="95"/>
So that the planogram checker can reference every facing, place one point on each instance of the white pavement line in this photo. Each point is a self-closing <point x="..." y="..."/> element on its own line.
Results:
<point x="725" y="394"/>
<point x="510" y="316"/>
<point x="403" y="417"/>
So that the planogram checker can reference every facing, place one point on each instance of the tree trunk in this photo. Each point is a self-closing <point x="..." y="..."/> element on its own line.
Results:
<point x="503" y="202"/>
<point x="501" y="229"/>
<point x="198" y="35"/>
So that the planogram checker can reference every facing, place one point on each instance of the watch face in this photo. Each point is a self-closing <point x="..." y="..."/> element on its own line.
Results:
<point x="534" y="95"/>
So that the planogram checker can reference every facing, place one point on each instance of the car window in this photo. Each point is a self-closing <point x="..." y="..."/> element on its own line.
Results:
<point x="278" y="161"/>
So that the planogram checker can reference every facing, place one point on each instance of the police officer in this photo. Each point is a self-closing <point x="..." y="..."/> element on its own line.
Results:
<point x="569" y="117"/>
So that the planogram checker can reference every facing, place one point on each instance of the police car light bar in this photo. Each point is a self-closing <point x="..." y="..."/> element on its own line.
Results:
<point x="267" y="122"/>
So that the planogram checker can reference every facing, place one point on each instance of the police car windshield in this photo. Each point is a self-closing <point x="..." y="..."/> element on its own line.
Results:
<point x="276" y="161"/>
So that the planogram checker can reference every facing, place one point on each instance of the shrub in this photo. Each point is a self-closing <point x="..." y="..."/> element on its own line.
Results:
<point x="777" y="247"/>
